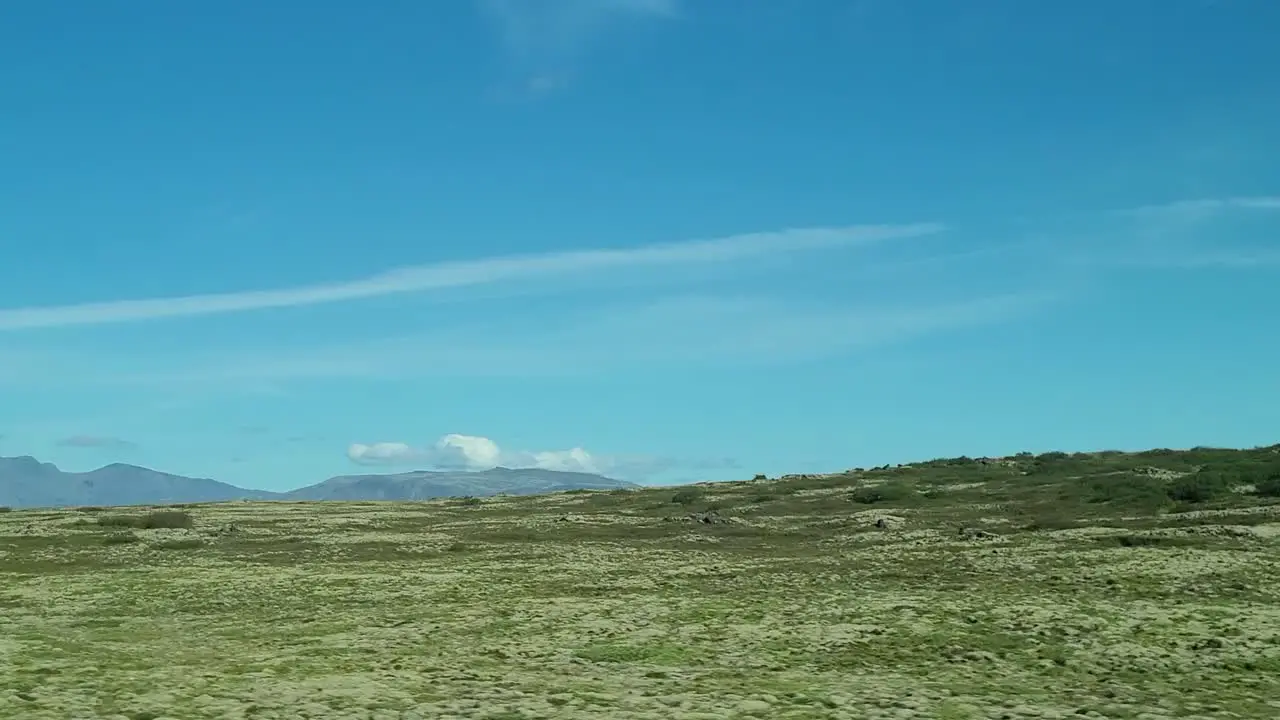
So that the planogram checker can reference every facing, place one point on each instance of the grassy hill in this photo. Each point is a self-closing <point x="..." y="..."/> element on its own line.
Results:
<point x="1118" y="585"/>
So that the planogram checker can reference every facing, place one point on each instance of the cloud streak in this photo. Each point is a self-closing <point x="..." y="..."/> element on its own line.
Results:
<point x="545" y="39"/>
<point x="441" y="276"/>
<point x="1205" y="206"/>
<point x="785" y="317"/>
<point x="681" y="331"/>
<point x="543" y="30"/>
<point x="1178" y="235"/>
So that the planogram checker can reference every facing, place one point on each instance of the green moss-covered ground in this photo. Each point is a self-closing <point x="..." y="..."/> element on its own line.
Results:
<point x="1104" y="585"/>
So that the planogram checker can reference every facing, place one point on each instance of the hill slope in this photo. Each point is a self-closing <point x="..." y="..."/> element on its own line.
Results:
<point x="1119" y="585"/>
<point x="27" y="482"/>
<point x="423" y="485"/>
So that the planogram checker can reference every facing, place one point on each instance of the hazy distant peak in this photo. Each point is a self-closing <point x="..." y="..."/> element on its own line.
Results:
<point x="26" y="482"/>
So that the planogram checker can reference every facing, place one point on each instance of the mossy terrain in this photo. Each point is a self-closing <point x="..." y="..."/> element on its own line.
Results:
<point x="1116" y="585"/>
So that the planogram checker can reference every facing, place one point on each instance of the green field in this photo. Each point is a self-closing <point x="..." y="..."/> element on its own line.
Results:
<point x="1103" y="585"/>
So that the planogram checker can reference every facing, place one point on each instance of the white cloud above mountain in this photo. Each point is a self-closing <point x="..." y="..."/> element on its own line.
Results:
<point x="471" y="452"/>
<point x="474" y="453"/>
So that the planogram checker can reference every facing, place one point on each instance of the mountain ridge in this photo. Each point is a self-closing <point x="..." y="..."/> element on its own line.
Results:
<point x="26" y="481"/>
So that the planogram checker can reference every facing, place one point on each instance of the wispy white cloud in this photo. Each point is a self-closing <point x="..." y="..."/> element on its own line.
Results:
<point x="459" y="274"/>
<point x="541" y="30"/>
<point x="1246" y="260"/>
<point x="1177" y="218"/>
<point x="1199" y="233"/>
<point x="545" y="38"/>
<point x="757" y="323"/>
<point x="680" y="331"/>
<point x="1204" y="207"/>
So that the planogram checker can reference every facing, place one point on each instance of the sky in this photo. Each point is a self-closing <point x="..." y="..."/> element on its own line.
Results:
<point x="664" y="240"/>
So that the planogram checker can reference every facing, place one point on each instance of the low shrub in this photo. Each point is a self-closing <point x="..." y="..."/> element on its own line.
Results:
<point x="1149" y="541"/>
<point x="687" y="496"/>
<point x="172" y="519"/>
<point x="120" y="538"/>
<point x="1268" y="487"/>
<point x="1138" y="491"/>
<point x="1202" y="487"/>
<point x="886" y="492"/>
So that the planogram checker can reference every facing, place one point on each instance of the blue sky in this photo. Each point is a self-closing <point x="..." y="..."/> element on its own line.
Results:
<point x="661" y="239"/>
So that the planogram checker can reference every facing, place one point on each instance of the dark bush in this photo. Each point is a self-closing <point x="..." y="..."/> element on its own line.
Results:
<point x="867" y="495"/>
<point x="887" y="492"/>
<point x="1149" y="541"/>
<point x="1201" y="487"/>
<point x="1268" y="487"/>
<point x="167" y="519"/>
<point x="1046" y="462"/>
<point x="123" y="521"/>
<point x="687" y="496"/>
<point x="174" y="519"/>
<point x="1127" y="490"/>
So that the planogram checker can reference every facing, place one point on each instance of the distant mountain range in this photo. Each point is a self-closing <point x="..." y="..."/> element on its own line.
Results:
<point x="27" y="482"/>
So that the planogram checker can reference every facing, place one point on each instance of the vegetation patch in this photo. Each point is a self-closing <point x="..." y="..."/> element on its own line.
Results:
<point x="1115" y="585"/>
<point x="170" y="519"/>
<point x="120" y="538"/>
<point x="181" y="543"/>
<point x="896" y="491"/>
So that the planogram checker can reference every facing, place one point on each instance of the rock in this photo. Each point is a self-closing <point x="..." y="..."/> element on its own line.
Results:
<point x="711" y="517"/>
